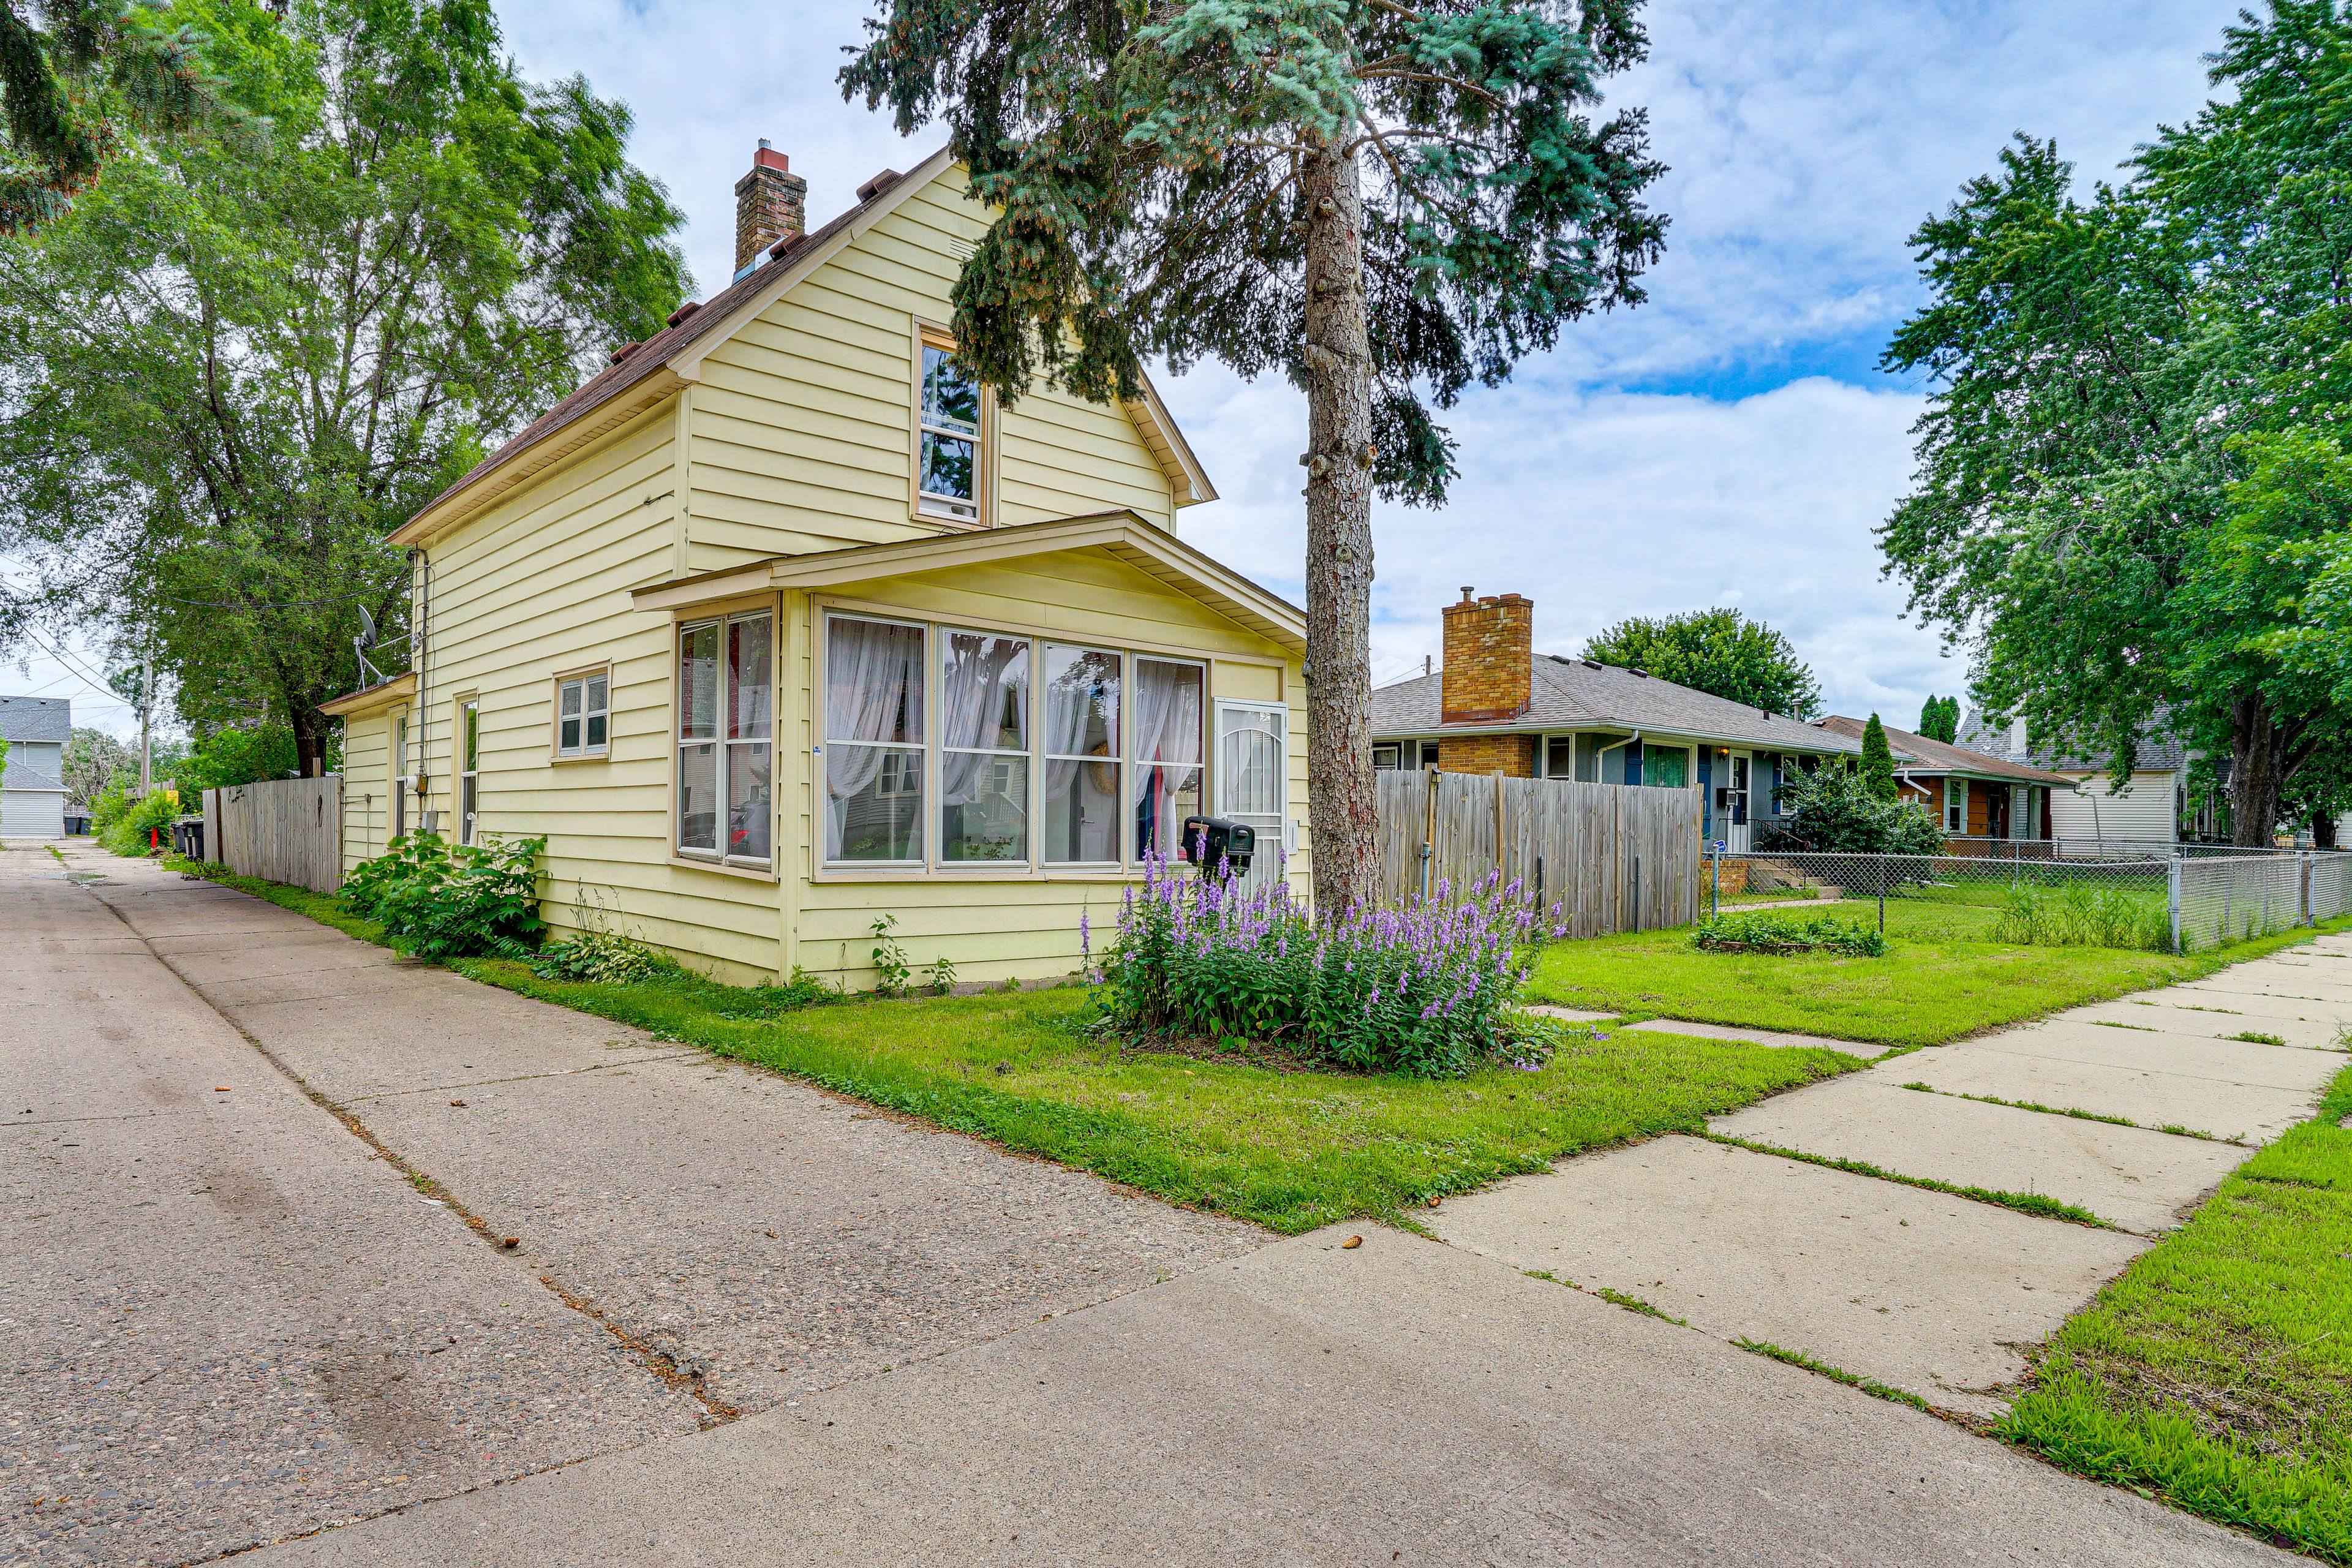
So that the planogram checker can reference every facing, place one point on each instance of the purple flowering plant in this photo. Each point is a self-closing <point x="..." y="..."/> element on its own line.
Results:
<point x="1425" y="989"/>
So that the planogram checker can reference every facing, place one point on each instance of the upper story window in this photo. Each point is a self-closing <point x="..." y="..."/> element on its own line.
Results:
<point x="948" y="461"/>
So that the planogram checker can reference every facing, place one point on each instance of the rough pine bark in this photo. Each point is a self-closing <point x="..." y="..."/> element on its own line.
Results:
<point x="1338" y="461"/>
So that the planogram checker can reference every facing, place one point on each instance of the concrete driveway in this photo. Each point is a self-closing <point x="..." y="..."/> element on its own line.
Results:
<point x="259" y="1292"/>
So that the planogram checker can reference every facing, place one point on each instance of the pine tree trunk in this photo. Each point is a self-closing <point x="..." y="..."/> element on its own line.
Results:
<point x="2254" y="782"/>
<point x="1338" y="354"/>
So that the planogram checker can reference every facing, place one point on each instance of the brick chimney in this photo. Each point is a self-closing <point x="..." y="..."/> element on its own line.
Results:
<point x="769" y="206"/>
<point x="1489" y="658"/>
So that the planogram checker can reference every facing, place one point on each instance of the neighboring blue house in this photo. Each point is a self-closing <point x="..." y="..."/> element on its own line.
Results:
<point x="33" y="778"/>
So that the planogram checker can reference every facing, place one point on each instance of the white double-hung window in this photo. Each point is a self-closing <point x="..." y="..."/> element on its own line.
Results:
<point x="948" y="447"/>
<point x="1082" y="755"/>
<point x="1956" y="805"/>
<point x="726" y="738"/>
<point x="581" y="715"/>
<point x="984" y="747"/>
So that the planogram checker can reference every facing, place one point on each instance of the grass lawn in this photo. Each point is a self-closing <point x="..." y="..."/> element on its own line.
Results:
<point x="2217" y="1370"/>
<point x="1943" y="977"/>
<point x="1289" y="1150"/>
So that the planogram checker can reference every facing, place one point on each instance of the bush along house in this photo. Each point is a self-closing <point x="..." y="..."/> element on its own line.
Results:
<point x="781" y="626"/>
<point x="1498" y="707"/>
<point x="1979" y="799"/>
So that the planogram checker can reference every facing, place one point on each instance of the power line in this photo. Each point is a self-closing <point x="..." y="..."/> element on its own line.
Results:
<point x="291" y="604"/>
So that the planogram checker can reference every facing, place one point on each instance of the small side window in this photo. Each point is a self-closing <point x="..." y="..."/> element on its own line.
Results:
<point x="582" y="722"/>
<point x="1385" y="756"/>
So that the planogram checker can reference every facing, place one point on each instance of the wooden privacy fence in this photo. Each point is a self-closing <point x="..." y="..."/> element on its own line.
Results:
<point x="1614" y="857"/>
<point x="283" y="830"/>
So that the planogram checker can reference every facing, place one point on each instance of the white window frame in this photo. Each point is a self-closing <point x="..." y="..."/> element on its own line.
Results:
<point x="1122" y="811"/>
<point x="401" y="782"/>
<point x="470" y="764"/>
<point x="1388" y="756"/>
<point x="720" y="855"/>
<point x="973" y="511"/>
<point x="1035" y="866"/>
<point x="1956" y="807"/>
<point x="586" y="681"/>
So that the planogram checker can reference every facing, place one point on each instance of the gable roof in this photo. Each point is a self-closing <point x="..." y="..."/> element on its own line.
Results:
<point x="1940" y="757"/>
<point x="38" y="720"/>
<point x="2159" y="751"/>
<point x="672" y="359"/>
<point x="1122" y="534"/>
<point x="1573" y="693"/>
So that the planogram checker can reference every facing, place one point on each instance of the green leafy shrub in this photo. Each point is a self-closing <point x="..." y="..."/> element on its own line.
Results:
<point x="2039" y="915"/>
<point x="1782" y="930"/>
<point x="1831" y="809"/>
<point x="435" y="900"/>
<point x="133" y="821"/>
<point x="601" y="957"/>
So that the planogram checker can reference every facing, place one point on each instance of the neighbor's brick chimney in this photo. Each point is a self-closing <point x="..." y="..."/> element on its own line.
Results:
<point x="770" y="204"/>
<point x="1489" y="658"/>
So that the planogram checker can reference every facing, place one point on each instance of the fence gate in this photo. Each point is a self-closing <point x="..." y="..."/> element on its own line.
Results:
<point x="1611" y="856"/>
<point x="281" y="830"/>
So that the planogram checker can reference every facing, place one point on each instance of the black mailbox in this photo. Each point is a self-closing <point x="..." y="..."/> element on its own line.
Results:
<point x="1209" y="840"/>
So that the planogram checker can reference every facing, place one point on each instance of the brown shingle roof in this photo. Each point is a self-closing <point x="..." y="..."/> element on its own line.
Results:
<point x="1940" y="757"/>
<point x="1568" y="694"/>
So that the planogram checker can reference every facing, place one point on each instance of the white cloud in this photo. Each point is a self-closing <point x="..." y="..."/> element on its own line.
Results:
<point x="1599" y="506"/>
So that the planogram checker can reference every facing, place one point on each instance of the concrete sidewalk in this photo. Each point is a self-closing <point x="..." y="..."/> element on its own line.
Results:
<point x="942" y="1352"/>
<point x="1930" y="1292"/>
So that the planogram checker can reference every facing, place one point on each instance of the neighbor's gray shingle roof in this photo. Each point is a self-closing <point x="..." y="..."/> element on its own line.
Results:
<point x="36" y="719"/>
<point x="1570" y="694"/>
<point x="2157" y="753"/>
<point x="1936" y="756"/>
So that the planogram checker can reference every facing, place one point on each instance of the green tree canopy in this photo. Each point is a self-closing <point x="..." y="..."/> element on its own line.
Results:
<point x="1878" y="763"/>
<point x="1832" y="808"/>
<point x="1384" y="202"/>
<point x="224" y="378"/>
<point x="1939" y="719"/>
<point x="79" y="81"/>
<point x="1718" y="651"/>
<point x="2115" y="375"/>
<point x="93" y="761"/>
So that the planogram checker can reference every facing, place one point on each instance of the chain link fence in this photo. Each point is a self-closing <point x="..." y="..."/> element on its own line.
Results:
<point x="2179" y="898"/>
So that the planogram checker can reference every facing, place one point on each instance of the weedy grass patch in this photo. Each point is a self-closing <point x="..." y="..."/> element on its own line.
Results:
<point x="2217" y="1370"/>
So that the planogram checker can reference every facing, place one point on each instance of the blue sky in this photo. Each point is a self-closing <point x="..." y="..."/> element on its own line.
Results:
<point x="1729" y="442"/>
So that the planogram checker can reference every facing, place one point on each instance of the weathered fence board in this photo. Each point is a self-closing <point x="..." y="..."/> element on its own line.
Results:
<point x="283" y="830"/>
<point x="1613" y="858"/>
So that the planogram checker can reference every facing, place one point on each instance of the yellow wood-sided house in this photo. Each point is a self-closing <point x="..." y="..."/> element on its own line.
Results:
<point x="779" y="625"/>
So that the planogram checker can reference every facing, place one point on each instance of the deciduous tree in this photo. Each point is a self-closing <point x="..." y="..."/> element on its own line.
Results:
<point x="224" y="378"/>
<point x="1385" y="202"/>
<point x="1718" y="651"/>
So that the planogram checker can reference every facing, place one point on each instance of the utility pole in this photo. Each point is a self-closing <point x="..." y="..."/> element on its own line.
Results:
<point x="146" y="715"/>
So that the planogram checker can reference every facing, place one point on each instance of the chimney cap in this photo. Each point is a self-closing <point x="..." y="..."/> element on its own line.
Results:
<point x="768" y="157"/>
<point x="1468" y="593"/>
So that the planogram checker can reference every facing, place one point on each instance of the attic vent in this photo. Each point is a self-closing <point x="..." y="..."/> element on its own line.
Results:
<point x="625" y="351"/>
<point x="1589" y="663"/>
<point x="1560" y="659"/>
<point x="960" y="247"/>
<point x="1643" y="673"/>
<point x="878" y="184"/>
<point x="683" y="311"/>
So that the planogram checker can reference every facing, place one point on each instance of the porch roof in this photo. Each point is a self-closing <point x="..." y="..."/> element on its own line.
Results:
<point x="1120" y="534"/>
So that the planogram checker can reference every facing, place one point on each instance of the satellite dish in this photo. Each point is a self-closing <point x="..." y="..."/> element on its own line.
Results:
<point x="368" y="621"/>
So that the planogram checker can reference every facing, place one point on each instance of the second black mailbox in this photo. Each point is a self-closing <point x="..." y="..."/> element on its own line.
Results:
<point x="1212" y="840"/>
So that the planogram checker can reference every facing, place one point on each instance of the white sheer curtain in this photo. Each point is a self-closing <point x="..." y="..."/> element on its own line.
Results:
<point x="873" y="693"/>
<point x="1168" y="699"/>
<point x="984" y="704"/>
<point x="1083" y="688"/>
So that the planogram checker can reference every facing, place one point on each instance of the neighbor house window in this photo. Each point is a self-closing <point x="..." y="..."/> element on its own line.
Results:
<point x="469" y="754"/>
<point x="873" y="741"/>
<point x="1171" y="705"/>
<point x="1386" y="756"/>
<point x="947" y="457"/>
<point x="1082" y="754"/>
<point x="583" y="717"/>
<point x="1428" y="755"/>
<point x="1956" y="807"/>
<point x="726" y="737"/>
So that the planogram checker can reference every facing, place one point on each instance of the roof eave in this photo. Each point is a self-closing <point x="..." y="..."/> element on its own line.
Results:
<point x="368" y="697"/>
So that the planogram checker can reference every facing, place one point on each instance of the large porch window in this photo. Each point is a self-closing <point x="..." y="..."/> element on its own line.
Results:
<point x="1020" y="783"/>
